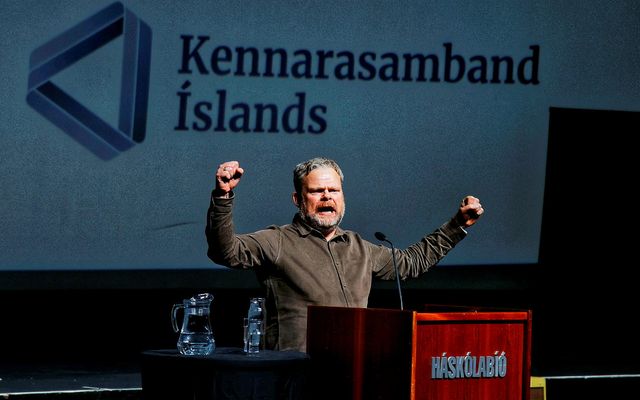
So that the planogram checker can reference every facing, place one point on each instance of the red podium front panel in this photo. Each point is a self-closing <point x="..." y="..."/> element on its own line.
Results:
<point x="471" y="355"/>
<point x="457" y="353"/>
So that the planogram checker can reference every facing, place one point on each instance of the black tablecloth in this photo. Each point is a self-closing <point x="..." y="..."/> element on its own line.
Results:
<point x="228" y="373"/>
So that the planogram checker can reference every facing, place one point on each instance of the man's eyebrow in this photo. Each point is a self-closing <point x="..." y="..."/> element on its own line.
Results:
<point x="323" y="187"/>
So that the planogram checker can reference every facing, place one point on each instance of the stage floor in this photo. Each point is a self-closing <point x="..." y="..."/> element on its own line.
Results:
<point x="21" y="380"/>
<point x="43" y="379"/>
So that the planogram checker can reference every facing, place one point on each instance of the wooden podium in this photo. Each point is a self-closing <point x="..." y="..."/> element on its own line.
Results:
<point x="443" y="353"/>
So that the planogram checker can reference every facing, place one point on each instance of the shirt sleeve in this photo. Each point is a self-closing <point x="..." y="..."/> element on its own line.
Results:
<point x="418" y="258"/>
<point x="227" y="248"/>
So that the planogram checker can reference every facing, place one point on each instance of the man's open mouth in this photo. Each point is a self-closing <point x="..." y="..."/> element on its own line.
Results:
<point x="326" y="210"/>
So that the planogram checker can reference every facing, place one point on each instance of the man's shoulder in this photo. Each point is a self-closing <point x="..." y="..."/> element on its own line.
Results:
<point x="279" y="227"/>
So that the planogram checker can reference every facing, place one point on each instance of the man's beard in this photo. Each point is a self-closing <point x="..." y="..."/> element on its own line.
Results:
<point x="322" y="225"/>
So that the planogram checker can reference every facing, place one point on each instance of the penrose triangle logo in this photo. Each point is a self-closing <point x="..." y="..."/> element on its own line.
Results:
<point x="76" y="120"/>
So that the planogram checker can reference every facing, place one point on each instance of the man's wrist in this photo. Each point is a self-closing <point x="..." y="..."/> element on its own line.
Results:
<point x="219" y="194"/>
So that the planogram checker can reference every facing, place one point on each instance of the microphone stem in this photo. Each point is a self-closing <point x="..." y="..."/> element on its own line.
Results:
<point x="395" y="265"/>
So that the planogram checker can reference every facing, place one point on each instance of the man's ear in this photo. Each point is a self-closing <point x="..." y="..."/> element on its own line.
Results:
<point x="296" y="199"/>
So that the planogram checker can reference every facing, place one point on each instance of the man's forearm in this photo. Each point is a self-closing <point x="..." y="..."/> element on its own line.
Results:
<point x="219" y="230"/>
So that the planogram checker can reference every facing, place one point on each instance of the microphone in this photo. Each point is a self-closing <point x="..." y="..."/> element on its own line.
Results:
<point x="382" y="237"/>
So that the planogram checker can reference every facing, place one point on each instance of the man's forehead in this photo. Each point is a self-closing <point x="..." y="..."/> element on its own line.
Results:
<point x="323" y="176"/>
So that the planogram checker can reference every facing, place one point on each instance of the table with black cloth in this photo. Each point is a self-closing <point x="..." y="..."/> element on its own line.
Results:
<point x="227" y="373"/>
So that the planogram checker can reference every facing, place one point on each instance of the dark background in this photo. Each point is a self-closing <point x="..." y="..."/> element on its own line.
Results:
<point x="582" y="293"/>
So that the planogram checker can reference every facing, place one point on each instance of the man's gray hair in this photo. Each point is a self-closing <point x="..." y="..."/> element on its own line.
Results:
<point x="304" y="168"/>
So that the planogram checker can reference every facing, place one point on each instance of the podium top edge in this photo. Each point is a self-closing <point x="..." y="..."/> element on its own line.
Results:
<point x="474" y="316"/>
<point x="431" y="313"/>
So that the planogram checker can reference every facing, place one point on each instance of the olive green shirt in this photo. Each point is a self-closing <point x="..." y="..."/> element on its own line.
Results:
<point x="298" y="267"/>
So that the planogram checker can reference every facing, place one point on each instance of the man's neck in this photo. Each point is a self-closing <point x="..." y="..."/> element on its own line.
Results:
<point x="329" y="235"/>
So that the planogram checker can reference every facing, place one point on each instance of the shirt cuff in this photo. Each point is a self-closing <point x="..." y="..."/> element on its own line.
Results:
<point x="453" y="230"/>
<point x="222" y="201"/>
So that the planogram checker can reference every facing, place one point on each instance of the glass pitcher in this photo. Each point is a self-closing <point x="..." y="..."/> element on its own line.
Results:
<point x="196" y="337"/>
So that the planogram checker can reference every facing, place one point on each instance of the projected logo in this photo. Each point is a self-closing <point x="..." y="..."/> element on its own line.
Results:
<point x="76" y="119"/>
